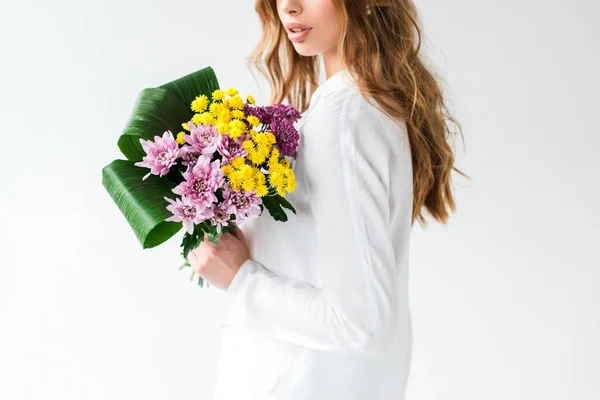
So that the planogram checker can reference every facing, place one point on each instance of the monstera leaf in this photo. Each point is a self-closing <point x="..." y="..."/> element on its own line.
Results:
<point x="155" y="111"/>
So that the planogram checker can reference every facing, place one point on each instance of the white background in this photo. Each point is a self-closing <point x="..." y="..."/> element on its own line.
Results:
<point x="505" y="298"/>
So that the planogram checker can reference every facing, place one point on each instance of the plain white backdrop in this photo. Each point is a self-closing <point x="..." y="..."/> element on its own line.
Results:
<point x="505" y="298"/>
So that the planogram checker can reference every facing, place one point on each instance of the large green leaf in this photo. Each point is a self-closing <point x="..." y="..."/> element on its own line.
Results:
<point x="141" y="202"/>
<point x="156" y="110"/>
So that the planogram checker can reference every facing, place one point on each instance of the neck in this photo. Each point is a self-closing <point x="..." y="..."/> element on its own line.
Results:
<point x="332" y="62"/>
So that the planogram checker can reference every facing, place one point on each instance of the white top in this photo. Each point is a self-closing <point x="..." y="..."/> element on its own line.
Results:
<point x="321" y="312"/>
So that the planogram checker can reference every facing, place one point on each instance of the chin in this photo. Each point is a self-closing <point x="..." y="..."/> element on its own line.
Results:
<point x="305" y="51"/>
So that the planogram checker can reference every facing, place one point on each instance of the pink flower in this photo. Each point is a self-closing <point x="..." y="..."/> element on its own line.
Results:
<point x="242" y="204"/>
<point x="230" y="148"/>
<point x="202" y="181"/>
<point x="220" y="216"/>
<point x="161" y="154"/>
<point x="184" y="210"/>
<point x="202" y="137"/>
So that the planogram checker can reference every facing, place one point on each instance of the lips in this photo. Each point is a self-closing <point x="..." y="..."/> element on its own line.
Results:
<point x="297" y="32"/>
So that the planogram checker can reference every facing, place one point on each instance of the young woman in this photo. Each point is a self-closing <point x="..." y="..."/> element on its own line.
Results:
<point x="317" y="307"/>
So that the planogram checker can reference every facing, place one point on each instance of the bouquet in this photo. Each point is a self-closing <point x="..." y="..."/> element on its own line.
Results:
<point x="228" y="162"/>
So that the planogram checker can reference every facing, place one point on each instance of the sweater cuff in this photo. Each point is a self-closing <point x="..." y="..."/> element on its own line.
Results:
<point x="234" y="301"/>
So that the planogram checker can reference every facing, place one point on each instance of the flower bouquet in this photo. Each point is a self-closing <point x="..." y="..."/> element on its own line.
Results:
<point x="228" y="162"/>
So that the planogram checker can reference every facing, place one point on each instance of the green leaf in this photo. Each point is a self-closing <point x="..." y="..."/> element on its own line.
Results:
<point x="157" y="110"/>
<point x="273" y="205"/>
<point x="141" y="202"/>
<point x="286" y="204"/>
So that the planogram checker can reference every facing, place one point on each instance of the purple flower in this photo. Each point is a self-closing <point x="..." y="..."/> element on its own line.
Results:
<point x="220" y="216"/>
<point x="287" y="111"/>
<point x="269" y="114"/>
<point x="184" y="210"/>
<point x="230" y="148"/>
<point x="190" y="154"/>
<point x="202" y="181"/>
<point x="161" y="154"/>
<point x="202" y="137"/>
<point x="287" y="137"/>
<point x="242" y="204"/>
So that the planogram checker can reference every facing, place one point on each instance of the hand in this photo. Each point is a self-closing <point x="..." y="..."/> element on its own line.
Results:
<point x="218" y="264"/>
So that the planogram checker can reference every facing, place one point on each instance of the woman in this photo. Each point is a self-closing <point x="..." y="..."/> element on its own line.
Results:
<point x="317" y="307"/>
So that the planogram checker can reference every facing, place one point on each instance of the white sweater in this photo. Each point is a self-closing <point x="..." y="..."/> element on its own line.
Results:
<point x="321" y="311"/>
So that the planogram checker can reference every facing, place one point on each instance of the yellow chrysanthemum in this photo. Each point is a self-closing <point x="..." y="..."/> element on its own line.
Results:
<point x="285" y="163"/>
<point x="237" y="114"/>
<point x="196" y="119"/>
<point x="253" y="134"/>
<point x="255" y="157"/>
<point x="250" y="99"/>
<point x="225" y="115"/>
<point x="231" y="92"/>
<point x="200" y="103"/>
<point x="247" y="145"/>
<point x="218" y="95"/>
<point x="270" y="138"/>
<point x="291" y="185"/>
<point x="235" y="133"/>
<point x="235" y="186"/>
<point x="248" y="185"/>
<point x="207" y="118"/>
<point x="276" y="179"/>
<point x="185" y="126"/>
<point x="225" y="104"/>
<point x="254" y="121"/>
<point x="236" y="102"/>
<point x="227" y="169"/>
<point x="180" y="138"/>
<point x="221" y="127"/>
<point x="262" y="190"/>
<point x="238" y="162"/>
<point x="263" y="150"/>
<point x="237" y="124"/>
<point x="215" y="108"/>
<point x="275" y="154"/>
<point x="280" y="191"/>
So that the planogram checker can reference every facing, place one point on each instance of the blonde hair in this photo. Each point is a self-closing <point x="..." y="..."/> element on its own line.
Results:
<point x="381" y="47"/>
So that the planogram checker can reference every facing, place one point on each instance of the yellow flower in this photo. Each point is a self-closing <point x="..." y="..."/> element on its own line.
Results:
<point x="271" y="138"/>
<point x="280" y="191"/>
<point x="237" y="162"/>
<point x="221" y="127"/>
<point x="207" y="118"/>
<point x="236" y="102"/>
<point x="227" y="169"/>
<point x="235" y="133"/>
<point x="248" y="185"/>
<point x="276" y="179"/>
<point x="237" y="114"/>
<point x="291" y="185"/>
<point x="180" y="138"/>
<point x="254" y="121"/>
<point x="218" y="95"/>
<point x="285" y="163"/>
<point x="256" y="157"/>
<point x="247" y="171"/>
<point x="196" y="119"/>
<point x="250" y="100"/>
<point x="185" y="126"/>
<point x="264" y="150"/>
<point x="236" y="123"/>
<point x="262" y="190"/>
<point x="235" y="187"/>
<point x="200" y="103"/>
<point x="225" y="103"/>
<point x="215" y="108"/>
<point x="225" y="116"/>
<point x="231" y="92"/>
<point x="275" y="154"/>
<point x="247" y="145"/>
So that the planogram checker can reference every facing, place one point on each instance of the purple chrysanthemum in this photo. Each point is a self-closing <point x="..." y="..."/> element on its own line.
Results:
<point x="230" y="148"/>
<point x="161" y="154"/>
<point x="202" y="181"/>
<point x="203" y="137"/>
<point x="287" y="137"/>
<point x="187" y="212"/>
<point x="243" y="204"/>
<point x="220" y="216"/>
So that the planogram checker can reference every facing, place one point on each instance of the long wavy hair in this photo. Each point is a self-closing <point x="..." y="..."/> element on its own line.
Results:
<point x="382" y="48"/>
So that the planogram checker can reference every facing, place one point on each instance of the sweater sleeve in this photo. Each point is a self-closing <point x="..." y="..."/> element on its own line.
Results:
<point x="355" y="308"/>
